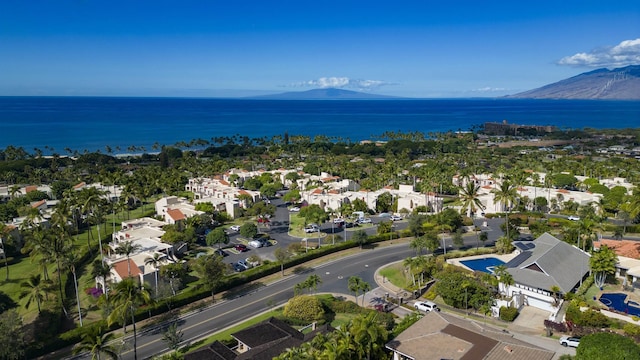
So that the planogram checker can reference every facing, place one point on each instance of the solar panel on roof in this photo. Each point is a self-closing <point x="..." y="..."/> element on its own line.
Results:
<point x="516" y="261"/>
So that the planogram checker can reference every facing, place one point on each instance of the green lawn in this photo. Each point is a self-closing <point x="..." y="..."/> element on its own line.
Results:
<point x="24" y="267"/>
<point x="395" y="274"/>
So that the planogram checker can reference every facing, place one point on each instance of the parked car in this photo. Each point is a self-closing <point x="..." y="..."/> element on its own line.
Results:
<point x="311" y="228"/>
<point x="294" y="209"/>
<point x="220" y="252"/>
<point x="237" y="267"/>
<point x="244" y="264"/>
<point x="338" y="221"/>
<point x="395" y="218"/>
<point x="240" y="247"/>
<point x="350" y="225"/>
<point x="572" y="341"/>
<point x="265" y="242"/>
<point x="235" y="227"/>
<point x="574" y="218"/>
<point x="255" y="243"/>
<point x="365" y="221"/>
<point x="426" y="306"/>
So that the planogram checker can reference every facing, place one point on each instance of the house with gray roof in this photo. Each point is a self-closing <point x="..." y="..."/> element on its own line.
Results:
<point x="541" y="265"/>
<point x="262" y="341"/>
<point x="443" y="336"/>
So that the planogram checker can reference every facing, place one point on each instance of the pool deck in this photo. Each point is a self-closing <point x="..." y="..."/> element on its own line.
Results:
<point x="457" y="261"/>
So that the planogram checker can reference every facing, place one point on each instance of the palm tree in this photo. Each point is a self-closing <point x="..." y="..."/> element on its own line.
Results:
<point x="369" y="336"/>
<point x="4" y="236"/>
<point x="35" y="289"/>
<point x="155" y="261"/>
<point x="96" y="342"/>
<point x="354" y="284"/>
<point x="70" y="261"/>
<point x="505" y="194"/>
<point x="364" y="286"/>
<point x="127" y="296"/>
<point x="127" y="248"/>
<point x="469" y="196"/>
<point x="313" y="281"/>
<point x="38" y="247"/>
<point x="504" y="277"/>
<point x="102" y="270"/>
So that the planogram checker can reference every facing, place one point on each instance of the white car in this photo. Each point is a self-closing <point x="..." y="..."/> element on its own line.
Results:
<point x="311" y="228"/>
<point x="574" y="218"/>
<point x="338" y="221"/>
<point x="294" y="209"/>
<point x="255" y="244"/>
<point x="572" y="341"/>
<point x="235" y="227"/>
<point x="395" y="218"/>
<point x="426" y="306"/>
<point x="365" y="221"/>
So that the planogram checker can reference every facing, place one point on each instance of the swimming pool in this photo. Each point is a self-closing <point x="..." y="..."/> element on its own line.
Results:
<point x="485" y="264"/>
<point x="617" y="302"/>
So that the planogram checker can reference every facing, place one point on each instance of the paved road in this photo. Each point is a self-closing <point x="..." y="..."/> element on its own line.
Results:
<point x="334" y="277"/>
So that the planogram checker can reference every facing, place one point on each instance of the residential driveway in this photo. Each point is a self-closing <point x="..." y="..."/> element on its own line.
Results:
<point x="529" y="326"/>
<point x="530" y="321"/>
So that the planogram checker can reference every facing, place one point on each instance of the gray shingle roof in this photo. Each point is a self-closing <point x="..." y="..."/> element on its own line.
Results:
<point x="551" y="262"/>
<point x="442" y="336"/>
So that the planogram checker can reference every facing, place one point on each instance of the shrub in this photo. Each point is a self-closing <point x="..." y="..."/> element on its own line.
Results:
<point x="508" y="313"/>
<point x="607" y="346"/>
<point x="304" y="307"/>
<point x="555" y="326"/>
<point x="594" y="319"/>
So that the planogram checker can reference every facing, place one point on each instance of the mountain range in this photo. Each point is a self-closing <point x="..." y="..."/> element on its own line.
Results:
<point x="602" y="84"/>
<point x="617" y="84"/>
<point x="324" y="94"/>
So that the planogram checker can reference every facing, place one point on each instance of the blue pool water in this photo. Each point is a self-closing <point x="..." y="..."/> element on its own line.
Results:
<point x="484" y="264"/>
<point x="616" y="301"/>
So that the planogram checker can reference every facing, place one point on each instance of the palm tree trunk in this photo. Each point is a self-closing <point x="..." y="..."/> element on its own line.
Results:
<point x="6" y="261"/>
<point x="135" y="341"/>
<point x="75" y="283"/>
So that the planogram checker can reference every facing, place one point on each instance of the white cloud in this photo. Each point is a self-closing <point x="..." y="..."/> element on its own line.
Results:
<point x="489" y="89"/>
<point x="623" y="54"/>
<point x="342" y="82"/>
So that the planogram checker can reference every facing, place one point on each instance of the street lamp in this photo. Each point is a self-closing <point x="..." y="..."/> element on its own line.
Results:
<point x="306" y="244"/>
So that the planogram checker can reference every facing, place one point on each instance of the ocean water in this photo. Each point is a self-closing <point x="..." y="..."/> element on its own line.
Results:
<point x="92" y="123"/>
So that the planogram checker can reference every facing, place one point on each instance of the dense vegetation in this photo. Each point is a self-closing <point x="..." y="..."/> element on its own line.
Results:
<point x="52" y="260"/>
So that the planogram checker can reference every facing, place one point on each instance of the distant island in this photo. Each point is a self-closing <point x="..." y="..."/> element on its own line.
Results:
<point x="325" y="94"/>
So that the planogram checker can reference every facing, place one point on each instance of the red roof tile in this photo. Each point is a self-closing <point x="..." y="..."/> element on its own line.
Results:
<point x="626" y="248"/>
<point x="38" y="204"/>
<point x="176" y="214"/>
<point x="123" y="270"/>
<point x="30" y="188"/>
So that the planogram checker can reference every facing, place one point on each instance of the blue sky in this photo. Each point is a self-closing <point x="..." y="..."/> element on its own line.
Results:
<point x="238" y="48"/>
